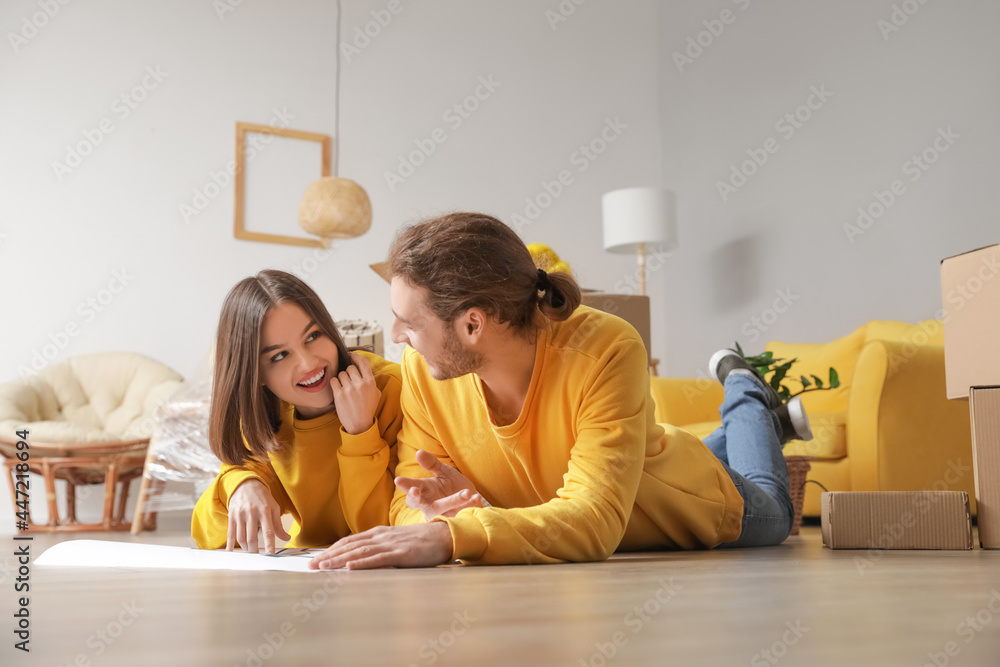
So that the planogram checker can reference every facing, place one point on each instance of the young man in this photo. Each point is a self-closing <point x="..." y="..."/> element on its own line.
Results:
<point x="528" y="433"/>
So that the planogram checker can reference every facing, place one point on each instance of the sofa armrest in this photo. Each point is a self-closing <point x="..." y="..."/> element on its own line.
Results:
<point x="681" y="401"/>
<point x="902" y="432"/>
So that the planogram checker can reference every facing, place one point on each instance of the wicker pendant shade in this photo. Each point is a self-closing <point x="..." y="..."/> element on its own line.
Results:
<point x="335" y="208"/>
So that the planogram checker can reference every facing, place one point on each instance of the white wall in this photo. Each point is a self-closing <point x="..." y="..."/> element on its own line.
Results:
<point x="784" y="229"/>
<point x="120" y="209"/>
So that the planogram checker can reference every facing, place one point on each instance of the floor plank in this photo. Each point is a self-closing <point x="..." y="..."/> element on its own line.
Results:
<point x="800" y="603"/>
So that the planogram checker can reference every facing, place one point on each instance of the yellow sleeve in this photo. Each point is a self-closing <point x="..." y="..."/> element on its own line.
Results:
<point x="417" y="433"/>
<point x="587" y="518"/>
<point x="367" y="462"/>
<point x="210" y="520"/>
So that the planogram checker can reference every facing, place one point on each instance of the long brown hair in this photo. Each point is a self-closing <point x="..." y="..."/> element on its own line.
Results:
<point x="242" y="407"/>
<point x="472" y="260"/>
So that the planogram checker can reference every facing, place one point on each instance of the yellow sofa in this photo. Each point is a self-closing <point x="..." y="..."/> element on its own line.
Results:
<point x="888" y="427"/>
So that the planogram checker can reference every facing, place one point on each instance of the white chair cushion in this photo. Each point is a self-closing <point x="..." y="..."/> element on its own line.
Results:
<point x="109" y="396"/>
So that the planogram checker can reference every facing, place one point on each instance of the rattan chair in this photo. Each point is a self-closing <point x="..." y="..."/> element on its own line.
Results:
<point x="88" y="421"/>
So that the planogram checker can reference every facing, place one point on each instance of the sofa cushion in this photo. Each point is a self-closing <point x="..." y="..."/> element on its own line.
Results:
<point x="817" y="359"/>
<point x="829" y="436"/>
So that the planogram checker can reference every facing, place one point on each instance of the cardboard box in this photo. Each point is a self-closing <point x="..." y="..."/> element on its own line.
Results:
<point x="970" y="293"/>
<point x="896" y="520"/>
<point x="632" y="308"/>
<point x="984" y="407"/>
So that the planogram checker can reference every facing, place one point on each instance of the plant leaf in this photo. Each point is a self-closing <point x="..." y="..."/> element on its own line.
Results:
<point x="739" y="349"/>
<point x="819" y="383"/>
<point x="805" y="381"/>
<point x="834" y="379"/>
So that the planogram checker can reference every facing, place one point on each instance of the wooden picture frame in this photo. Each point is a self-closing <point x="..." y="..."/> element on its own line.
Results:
<point x="239" y="217"/>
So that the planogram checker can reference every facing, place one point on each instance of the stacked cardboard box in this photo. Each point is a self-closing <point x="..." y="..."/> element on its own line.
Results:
<point x="970" y="291"/>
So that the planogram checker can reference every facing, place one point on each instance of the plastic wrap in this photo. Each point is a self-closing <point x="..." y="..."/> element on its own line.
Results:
<point x="179" y="451"/>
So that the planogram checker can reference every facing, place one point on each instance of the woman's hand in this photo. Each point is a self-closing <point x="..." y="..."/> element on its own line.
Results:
<point x="356" y="396"/>
<point x="444" y="494"/>
<point x="252" y="509"/>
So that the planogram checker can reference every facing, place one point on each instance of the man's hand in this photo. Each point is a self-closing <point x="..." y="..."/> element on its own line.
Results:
<point x="421" y="545"/>
<point x="356" y="396"/>
<point x="252" y="509"/>
<point x="444" y="494"/>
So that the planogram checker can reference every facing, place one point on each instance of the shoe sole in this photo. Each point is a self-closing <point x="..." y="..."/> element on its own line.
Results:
<point x="774" y="400"/>
<point x="800" y="420"/>
<point x="716" y="359"/>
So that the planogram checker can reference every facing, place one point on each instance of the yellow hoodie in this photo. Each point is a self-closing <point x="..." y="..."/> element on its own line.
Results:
<point x="584" y="470"/>
<point x="331" y="482"/>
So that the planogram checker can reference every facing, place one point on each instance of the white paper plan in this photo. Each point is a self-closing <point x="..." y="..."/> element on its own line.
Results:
<point x="102" y="553"/>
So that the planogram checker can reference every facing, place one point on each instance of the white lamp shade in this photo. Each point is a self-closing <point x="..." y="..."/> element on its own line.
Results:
<point x="639" y="215"/>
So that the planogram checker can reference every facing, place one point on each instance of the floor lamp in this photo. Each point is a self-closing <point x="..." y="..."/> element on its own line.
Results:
<point x="637" y="220"/>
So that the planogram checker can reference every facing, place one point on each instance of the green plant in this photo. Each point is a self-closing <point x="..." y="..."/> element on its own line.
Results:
<point x="766" y="364"/>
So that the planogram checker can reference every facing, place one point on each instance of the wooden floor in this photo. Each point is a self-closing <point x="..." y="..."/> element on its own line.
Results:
<point x="797" y="604"/>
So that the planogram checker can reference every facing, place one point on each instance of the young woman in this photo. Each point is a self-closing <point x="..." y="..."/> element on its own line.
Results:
<point x="302" y="425"/>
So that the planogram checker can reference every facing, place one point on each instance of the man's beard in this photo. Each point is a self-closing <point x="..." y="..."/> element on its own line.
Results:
<point x="457" y="361"/>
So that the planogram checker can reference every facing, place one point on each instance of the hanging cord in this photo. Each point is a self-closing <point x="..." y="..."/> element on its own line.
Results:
<point x="336" y="107"/>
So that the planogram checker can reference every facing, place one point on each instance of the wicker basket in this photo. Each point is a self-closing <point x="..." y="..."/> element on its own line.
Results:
<point x="798" y="466"/>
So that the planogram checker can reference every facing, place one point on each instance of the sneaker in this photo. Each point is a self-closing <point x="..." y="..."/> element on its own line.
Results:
<point x="794" y="421"/>
<point x="725" y="362"/>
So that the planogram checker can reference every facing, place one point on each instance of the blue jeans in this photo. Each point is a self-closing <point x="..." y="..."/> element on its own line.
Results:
<point x="748" y="446"/>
